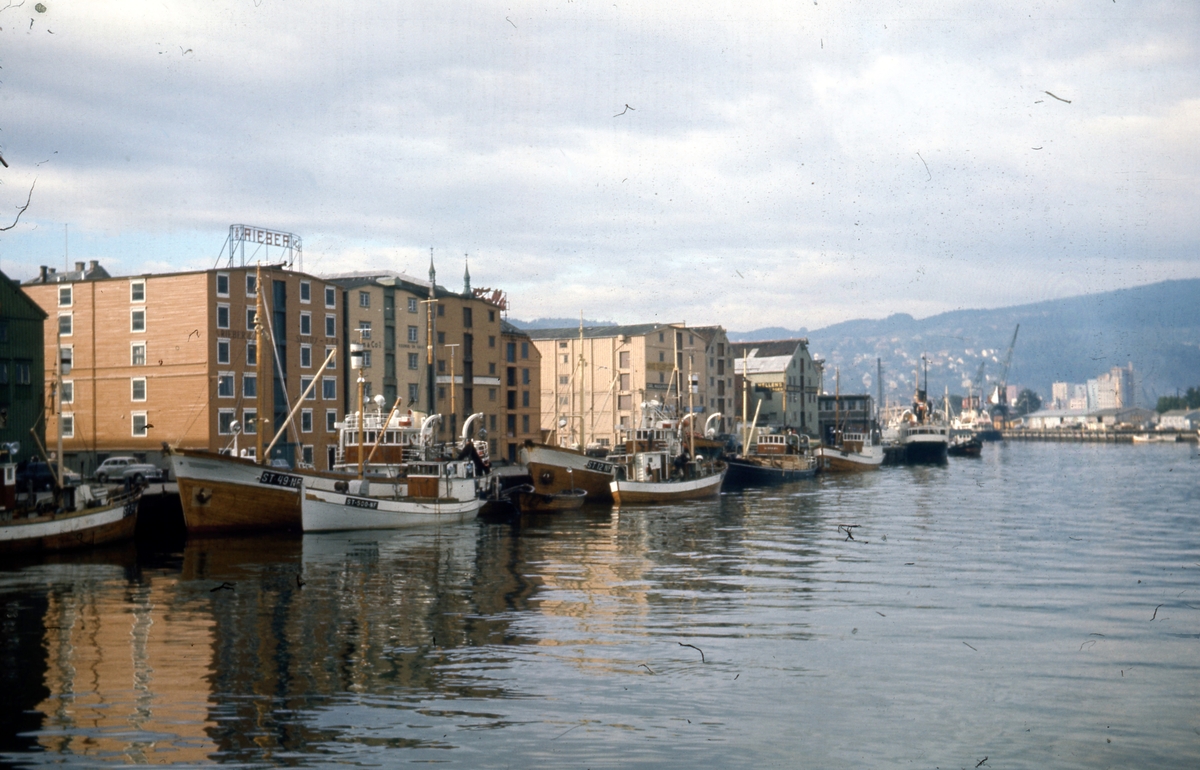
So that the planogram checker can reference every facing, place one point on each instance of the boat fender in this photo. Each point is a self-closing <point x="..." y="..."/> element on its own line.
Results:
<point x="341" y="486"/>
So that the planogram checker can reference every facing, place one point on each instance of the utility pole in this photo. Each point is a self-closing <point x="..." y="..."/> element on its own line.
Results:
<point x="453" y="405"/>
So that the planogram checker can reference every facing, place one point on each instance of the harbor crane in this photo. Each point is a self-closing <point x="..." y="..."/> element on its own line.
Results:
<point x="999" y="397"/>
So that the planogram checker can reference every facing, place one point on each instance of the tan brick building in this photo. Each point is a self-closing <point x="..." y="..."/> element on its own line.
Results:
<point x="171" y="358"/>
<point x="595" y="382"/>
<point x="787" y="380"/>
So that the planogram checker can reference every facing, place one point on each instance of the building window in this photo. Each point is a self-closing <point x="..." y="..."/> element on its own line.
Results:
<point x="661" y="338"/>
<point x="222" y="351"/>
<point x="304" y="383"/>
<point x="137" y="354"/>
<point x="222" y="284"/>
<point x="491" y="340"/>
<point x="306" y="455"/>
<point x="524" y="423"/>
<point x="249" y="386"/>
<point x="441" y="310"/>
<point x="331" y="357"/>
<point x="564" y="379"/>
<point x="511" y="425"/>
<point x="364" y="330"/>
<point x="305" y="292"/>
<point x="64" y="296"/>
<point x="412" y="334"/>
<point x="524" y="376"/>
<point x="66" y="359"/>
<point x="23" y="373"/>
<point x="330" y="420"/>
<point x="64" y="325"/>
<point x="661" y="357"/>
<point x="491" y="316"/>
<point x="137" y="320"/>
<point x="251" y="314"/>
<point x="624" y="403"/>
<point x="306" y="421"/>
<point x="330" y="326"/>
<point x="137" y="389"/>
<point x="225" y="419"/>
<point x="330" y="297"/>
<point x="413" y="360"/>
<point x="564" y="400"/>
<point x="441" y="393"/>
<point x="524" y="398"/>
<point x="524" y="350"/>
<point x="250" y="421"/>
<point x="441" y="338"/>
<point x="625" y="381"/>
<point x="68" y="425"/>
<point x="305" y="356"/>
<point x="251" y="354"/>
<point x="510" y="351"/>
<point x="306" y="324"/>
<point x="414" y="392"/>
<point x="68" y="391"/>
<point x="222" y="316"/>
<point x="137" y="291"/>
<point x="366" y="357"/>
<point x="329" y="388"/>
<point x="225" y="385"/>
<point x="364" y="299"/>
<point x="512" y="399"/>
<point x="467" y="317"/>
<point x="623" y="359"/>
<point x="139" y="424"/>
<point x="566" y="358"/>
<point x="251" y="286"/>
<point x="441" y="365"/>
<point x="412" y="304"/>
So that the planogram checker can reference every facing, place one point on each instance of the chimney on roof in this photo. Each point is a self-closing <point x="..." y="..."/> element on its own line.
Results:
<point x="45" y="274"/>
<point x="93" y="264"/>
<point x="79" y="267"/>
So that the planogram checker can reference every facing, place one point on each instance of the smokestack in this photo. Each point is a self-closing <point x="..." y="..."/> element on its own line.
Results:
<point x="92" y="265"/>
<point x="45" y="273"/>
<point x="79" y="267"/>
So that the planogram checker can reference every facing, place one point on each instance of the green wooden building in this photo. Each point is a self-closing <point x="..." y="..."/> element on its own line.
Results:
<point x="22" y="370"/>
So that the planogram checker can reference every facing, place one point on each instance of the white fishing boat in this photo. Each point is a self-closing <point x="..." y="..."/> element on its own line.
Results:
<point x="431" y="493"/>
<point x="852" y="452"/>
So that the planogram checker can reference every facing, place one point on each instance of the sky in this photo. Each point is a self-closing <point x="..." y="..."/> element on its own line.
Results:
<point x="745" y="163"/>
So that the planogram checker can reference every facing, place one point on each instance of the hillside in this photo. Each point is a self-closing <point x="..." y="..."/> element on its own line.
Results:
<point x="1156" y="327"/>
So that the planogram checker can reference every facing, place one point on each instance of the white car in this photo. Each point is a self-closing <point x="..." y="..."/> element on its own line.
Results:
<point x="114" y="468"/>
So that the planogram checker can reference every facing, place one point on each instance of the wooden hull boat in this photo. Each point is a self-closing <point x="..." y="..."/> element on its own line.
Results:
<point x="847" y="460"/>
<point x="759" y="471"/>
<point x="110" y="522"/>
<point x="530" y="500"/>
<point x="557" y="469"/>
<point x="336" y="511"/>
<point x="626" y="492"/>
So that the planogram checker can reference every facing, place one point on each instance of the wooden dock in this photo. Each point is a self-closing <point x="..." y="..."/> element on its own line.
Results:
<point x="1113" y="436"/>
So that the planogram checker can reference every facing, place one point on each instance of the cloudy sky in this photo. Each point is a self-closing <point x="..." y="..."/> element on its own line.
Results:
<point x="744" y="163"/>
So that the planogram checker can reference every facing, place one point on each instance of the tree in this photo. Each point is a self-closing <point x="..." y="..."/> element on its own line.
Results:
<point x="1027" y="401"/>
<point x="1189" y="401"/>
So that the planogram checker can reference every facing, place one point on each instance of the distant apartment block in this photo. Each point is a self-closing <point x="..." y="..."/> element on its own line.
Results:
<point x="172" y="358"/>
<point x="594" y="382"/>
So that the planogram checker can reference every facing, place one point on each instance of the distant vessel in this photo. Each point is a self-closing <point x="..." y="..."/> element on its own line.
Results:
<point x="964" y="444"/>
<point x="918" y="431"/>
<point x="1155" y="438"/>
<point x="531" y="501"/>
<point x="850" y="452"/>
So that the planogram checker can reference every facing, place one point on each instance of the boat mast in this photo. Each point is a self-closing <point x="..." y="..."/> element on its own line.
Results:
<point x="745" y="399"/>
<point x="837" y="406"/>
<point x="58" y="410"/>
<point x="356" y="362"/>
<point x="582" y="377"/>
<point x="691" y="414"/>
<point x="262" y="372"/>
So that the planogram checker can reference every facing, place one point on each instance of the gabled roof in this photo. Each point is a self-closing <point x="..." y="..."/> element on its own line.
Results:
<point x="516" y="331"/>
<point x="33" y="309"/>
<point x="762" y="364"/>
<point x="768" y="347"/>
<point x="596" y="332"/>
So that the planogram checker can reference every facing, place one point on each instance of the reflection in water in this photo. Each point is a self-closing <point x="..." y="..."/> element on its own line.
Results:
<point x="978" y="610"/>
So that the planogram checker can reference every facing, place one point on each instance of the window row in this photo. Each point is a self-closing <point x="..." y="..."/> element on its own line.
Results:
<point x="226" y="386"/>
<point x="227" y="423"/>
<point x="251" y="289"/>
<point x="306" y="328"/>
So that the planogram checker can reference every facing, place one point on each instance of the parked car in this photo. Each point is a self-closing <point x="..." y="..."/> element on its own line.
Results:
<point x="40" y="477"/>
<point x="113" y="468"/>
<point x="141" y="473"/>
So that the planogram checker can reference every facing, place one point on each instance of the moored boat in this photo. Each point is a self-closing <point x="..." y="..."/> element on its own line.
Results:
<point x="557" y="469"/>
<point x="529" y="500"/>
<point x="646" y="478"/>
<point x="965" y="444"/>
<point x="431" y="493"/>
<point x="73" y="518"/>
<point x="853" y="452"/>
<point x="772" y="458"/>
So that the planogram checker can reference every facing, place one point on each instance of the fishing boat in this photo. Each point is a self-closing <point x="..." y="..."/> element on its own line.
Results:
<point x="772" y="458"/>
<point x="849" y="451"/>
<point x="555" y="470"/>
<point x="920" y="432"/>
<point x="430" y="493"/>
<point x="964" y="445"/>
<point x="68" y="518"/>
<point x="656" y="467"/>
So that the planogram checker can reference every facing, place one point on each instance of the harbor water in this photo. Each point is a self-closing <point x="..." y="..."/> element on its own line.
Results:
<point x="1036" y="607"/>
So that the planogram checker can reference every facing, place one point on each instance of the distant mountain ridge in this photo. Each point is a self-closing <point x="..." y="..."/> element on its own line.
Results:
<point x="556" y="323"/>
<point x="1155" y="327"/>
